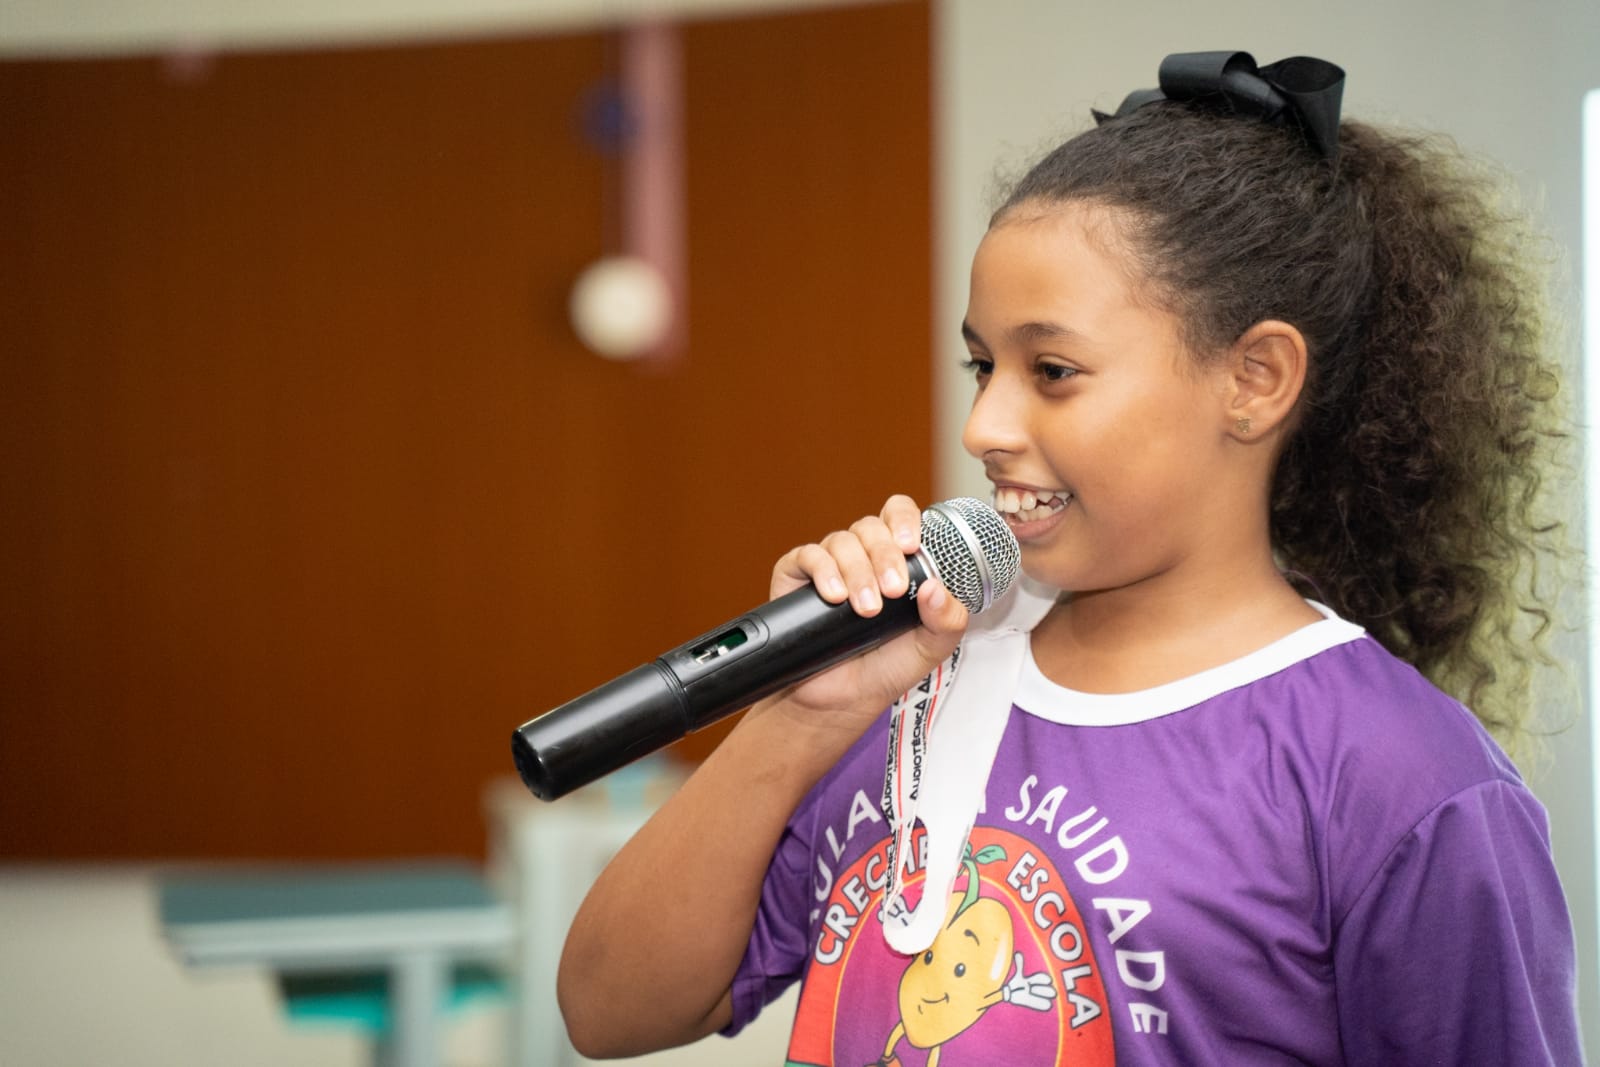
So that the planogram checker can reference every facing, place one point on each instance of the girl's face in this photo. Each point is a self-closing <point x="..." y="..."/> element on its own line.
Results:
<point x="1104" y="437"/>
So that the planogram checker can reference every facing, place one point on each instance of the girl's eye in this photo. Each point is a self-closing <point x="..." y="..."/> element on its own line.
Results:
<point x="1055" y="372"/>
<point x="981" y="368"/>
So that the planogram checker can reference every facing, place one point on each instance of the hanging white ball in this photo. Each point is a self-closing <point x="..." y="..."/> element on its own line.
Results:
<point x="621" y="307"/>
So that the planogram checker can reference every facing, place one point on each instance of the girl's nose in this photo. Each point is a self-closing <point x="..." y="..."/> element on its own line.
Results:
<point x="995" y="423"/>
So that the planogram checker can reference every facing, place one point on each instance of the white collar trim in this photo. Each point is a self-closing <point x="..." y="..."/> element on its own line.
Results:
<point x="1042" y="698"/>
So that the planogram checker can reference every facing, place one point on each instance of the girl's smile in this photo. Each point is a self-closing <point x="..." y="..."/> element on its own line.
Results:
<point x="1030" y="513"/>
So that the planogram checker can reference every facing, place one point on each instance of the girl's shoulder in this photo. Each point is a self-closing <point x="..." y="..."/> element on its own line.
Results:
<point x="1377" y="717"/>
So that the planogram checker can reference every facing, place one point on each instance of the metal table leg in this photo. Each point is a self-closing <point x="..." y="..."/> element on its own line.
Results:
<point x="417" y="982"/>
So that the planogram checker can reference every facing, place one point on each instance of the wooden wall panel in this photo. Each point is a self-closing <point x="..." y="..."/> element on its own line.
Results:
<point x="309" y="494"/>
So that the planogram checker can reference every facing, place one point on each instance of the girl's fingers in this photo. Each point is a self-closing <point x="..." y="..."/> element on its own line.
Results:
<point x="904" y="519"/>
<point x="857" y="568"/>
<point x="839" y="567"/>
<point x="941" y="612"/>
<point x="944" y="620"/>
<point x="884" y="557"/>
<point x="866" y="563"/>
<point x="811" y="564"/>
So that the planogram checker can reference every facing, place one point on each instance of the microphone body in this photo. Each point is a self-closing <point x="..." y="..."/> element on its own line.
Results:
<point x="776" y="645"/>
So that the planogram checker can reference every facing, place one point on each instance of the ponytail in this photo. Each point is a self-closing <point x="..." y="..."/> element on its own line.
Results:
<point x="1413" y="504"/>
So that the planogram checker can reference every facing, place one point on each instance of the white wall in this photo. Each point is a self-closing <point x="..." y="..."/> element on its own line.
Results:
<point x="1506" y="80"/>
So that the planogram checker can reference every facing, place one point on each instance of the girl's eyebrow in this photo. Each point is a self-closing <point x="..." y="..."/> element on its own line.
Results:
<point x="1022" y="334"/>
<point x="1034" y="332"/>
<point x="971" y="336"/>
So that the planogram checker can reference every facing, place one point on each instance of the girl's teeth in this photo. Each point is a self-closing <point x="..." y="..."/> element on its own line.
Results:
<point x="1028" y="506"/>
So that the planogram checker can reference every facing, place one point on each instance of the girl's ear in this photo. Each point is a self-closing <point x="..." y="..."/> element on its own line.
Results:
<point x="1266" y="370"/>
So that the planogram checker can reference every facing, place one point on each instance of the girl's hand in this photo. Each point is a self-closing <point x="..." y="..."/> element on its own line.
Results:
<point x="867" y="564"/>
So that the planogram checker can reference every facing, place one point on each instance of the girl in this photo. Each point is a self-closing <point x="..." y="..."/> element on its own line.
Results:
<point x="1230" y="354"/>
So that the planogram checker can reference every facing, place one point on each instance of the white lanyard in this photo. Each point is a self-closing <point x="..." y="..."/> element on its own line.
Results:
<point x="907" y="759"/>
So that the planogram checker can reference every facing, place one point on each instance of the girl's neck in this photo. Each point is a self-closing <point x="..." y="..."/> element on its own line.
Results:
<point x="1158" y="631"/>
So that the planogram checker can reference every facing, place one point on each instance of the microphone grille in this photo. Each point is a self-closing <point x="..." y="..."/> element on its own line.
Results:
<point x="972" y="549"/>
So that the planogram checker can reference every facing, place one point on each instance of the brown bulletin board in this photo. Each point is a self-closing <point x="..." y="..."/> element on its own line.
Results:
<point x="310" y="495"/>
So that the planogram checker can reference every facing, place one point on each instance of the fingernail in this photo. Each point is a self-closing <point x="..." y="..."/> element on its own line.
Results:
<point x="936" y="595"/>
<point x="868" y="599"/>
<point x="833" y="587"/>
<point x="892" y="582"/>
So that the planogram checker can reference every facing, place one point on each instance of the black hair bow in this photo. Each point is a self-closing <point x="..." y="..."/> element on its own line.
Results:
<point x="1302" y="93"/>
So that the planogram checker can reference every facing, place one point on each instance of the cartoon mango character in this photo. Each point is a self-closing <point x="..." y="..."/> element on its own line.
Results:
<point x="962" y="974"/>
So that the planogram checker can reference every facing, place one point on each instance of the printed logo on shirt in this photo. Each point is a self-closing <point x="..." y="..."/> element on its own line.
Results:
<point x="1011" y="977"/>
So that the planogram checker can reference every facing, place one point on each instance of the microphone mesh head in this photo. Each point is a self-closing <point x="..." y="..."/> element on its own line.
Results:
<point x="972" y="550"/>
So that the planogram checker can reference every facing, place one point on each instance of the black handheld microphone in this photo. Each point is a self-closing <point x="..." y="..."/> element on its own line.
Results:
<point x="965" y="544"/>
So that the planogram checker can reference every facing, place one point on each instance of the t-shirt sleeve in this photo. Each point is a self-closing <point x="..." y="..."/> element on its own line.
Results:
<point x="780" y="940"/>
<point x="1460" y="948"/>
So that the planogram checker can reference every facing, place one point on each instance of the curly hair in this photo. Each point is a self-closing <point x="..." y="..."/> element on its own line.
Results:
<point x="1408" y="496"/>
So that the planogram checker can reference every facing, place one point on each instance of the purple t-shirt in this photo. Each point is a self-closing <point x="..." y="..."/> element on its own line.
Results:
<point x="1309" y="855"/>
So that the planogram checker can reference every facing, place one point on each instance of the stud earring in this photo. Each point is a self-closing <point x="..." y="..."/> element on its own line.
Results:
<point x="1242" y="425"/>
